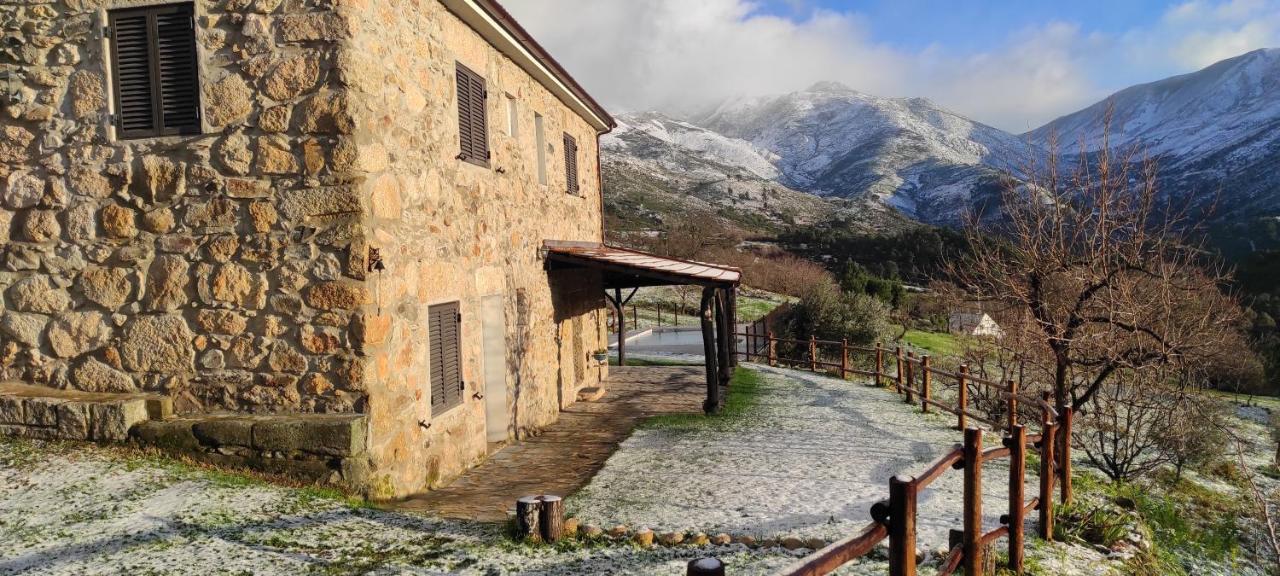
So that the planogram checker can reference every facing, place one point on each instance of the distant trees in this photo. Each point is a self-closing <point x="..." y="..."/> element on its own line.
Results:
<point x="1103" y="276"/>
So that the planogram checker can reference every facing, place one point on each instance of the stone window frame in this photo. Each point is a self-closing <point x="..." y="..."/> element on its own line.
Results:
<point x="106" y="54"/>
<point x="513" y="116"/>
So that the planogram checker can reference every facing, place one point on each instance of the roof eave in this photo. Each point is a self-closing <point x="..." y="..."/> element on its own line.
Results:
<point x="499" y="28"/>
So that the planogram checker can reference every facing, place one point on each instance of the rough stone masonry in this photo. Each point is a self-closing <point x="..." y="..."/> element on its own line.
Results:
<point x="230" y="271"/>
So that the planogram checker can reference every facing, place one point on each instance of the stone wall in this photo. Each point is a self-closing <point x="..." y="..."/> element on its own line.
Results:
<point x="221" y="270"/>
<point x="449" y="230"/>
<point x="231" y="271"/>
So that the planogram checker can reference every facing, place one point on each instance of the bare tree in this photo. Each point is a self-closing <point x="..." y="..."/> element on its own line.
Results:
<point x="1125" y="432"/>
<point x="1103" y="274"/>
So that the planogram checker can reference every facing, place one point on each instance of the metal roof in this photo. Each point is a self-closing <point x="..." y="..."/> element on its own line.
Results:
<point x="626" y="268"/>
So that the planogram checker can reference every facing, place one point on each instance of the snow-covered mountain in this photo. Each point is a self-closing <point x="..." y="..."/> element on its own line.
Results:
<point x="830" y="140"/>
<point x="658" y="168"/>
<point x="1213" y="131"/>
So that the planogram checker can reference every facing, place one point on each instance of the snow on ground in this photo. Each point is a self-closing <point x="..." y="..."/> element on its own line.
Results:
<point x="87" y="511"/>
<point x="809" y="461"/>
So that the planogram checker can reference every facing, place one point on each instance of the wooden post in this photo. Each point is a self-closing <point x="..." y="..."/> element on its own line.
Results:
<point x="733" y="328"/>
<point x="1016" y="441"/>
<point x="723" y="337"/>
<point x="705" y="567"/>
<point x="898" y="352"/>
<point x="773" y="350"/>
<point x="902" y="526"/>
<point x="659" y="314"/>
<point x="635" y="317"/>
<point x="844" y="358"/>
<point x="1047" y="432"/>
<point x="1012" y="403"/>
<point x="1064" y="455"/>
<point x="620" y="324"/>
<point x="707" y="308"/>
<point x="963" y="397"/>
<point x="911" y="378"/>
<point x="971" y="558"/>
<point x="926" y="380"/>
<point x="813" y="353"/>
<point x="879" y="365"/>
<point x="528" y="517"/>
<point x="551" y="518"/>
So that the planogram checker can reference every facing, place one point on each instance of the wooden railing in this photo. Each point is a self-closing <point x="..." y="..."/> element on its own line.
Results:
<point x="895" y="518"/>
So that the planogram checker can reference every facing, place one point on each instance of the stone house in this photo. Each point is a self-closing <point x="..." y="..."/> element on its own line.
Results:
<point x="974" y="324"/>
<point x="314" y="228"/>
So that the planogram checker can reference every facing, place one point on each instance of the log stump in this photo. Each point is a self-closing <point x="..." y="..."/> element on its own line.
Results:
<point x="705" y="567"/>
<point x="551" y="518"/>
<point x="528" y="518"/>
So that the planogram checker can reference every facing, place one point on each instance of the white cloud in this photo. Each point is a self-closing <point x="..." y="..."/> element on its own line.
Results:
<point x="681" y="55"/>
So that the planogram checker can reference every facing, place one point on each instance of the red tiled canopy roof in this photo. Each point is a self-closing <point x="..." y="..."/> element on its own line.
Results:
<point x="625" y="268"/>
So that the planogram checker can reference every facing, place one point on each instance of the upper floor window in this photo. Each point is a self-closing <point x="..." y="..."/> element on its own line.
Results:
<point x="571" y="164"/>
<point x="540" y="140"/>
<point x="156" y="75"/>
<point x="473" y="123"/>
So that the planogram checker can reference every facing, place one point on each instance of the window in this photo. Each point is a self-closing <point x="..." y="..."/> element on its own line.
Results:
<point x="513" y="117"/>
<point x="540" y="140"/>
<point x="154" y="70"/>
<point x="473" y="126"/>
<point x="446" y="367"/>
<point x="571" y="164"/>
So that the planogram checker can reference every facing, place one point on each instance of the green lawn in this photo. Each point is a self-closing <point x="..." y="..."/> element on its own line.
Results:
<point x="742" y="395"/>
<point x="937" y="343"/>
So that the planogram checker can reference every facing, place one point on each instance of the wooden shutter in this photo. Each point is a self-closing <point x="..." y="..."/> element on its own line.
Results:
<point x="571" y="163"/>
<point x="473" y="122"/>
<point x="155" y="71"/>
<point x="446" y="358"/>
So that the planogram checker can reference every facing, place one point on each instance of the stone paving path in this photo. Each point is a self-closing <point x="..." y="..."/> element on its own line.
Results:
<point x="570" y="452"/>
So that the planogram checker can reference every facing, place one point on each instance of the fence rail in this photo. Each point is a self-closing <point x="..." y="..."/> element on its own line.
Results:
<point x="895" y="518"/>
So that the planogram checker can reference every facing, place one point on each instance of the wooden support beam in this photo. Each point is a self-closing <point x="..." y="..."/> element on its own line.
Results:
<point x="707" y="309"/>
<point x="724" y="366"/>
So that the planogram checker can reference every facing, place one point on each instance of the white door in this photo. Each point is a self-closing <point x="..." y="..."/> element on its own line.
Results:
<point x="494" y="318"/>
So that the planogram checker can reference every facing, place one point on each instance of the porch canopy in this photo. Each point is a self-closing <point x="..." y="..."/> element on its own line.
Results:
<point x="626" y="269"/>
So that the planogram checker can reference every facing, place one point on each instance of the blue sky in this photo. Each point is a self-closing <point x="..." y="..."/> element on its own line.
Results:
<point x="1014" y="65"/>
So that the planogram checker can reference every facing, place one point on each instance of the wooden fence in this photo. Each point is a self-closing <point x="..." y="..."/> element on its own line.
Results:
<point x="895" y="518"/>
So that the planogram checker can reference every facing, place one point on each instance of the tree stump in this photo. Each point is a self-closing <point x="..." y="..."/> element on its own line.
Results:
<point x="551" y="519"/>
<point x="528" y="512"/>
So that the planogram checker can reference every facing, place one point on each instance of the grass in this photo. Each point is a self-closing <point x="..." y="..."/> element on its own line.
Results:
<point x="937" y="343"/>
<point x="744" y="393"/>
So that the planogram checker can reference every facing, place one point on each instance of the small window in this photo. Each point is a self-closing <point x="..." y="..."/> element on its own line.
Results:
<point x="155" y="73"/>
<point x="446" y="359"/>
<point x="513" y="117"/>
<point x="571" y="164"/>
<point x="540" y="140"/>
<point x="473" y="125"/>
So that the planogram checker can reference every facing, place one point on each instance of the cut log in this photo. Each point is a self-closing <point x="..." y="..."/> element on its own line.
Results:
<point x="528" y="511"/>
<point x="705" y="567"/>
<point x="551" y="519"/>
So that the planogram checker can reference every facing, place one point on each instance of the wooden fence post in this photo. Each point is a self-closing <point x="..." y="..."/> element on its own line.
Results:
<point x="1016" y="441"/>
<point x="635" y="317"/>
<point x="899" y="374"/>
<point x="773" y="350"/>
<point x="1064" y="450"/>
<point x="911" y="378"/>
<point x="902" y="526"/>
<point x="963" y="397"/>
<point x="1047" y="432"/>
<point x="659" y="314"/>
<point x="971" y="558"/>
<point x="880" y="367"/>
<point x="1013" y="403"/>
<point x="813" y="353"/>
<point x="844" y="358"/>
<point x="926" y="378"/>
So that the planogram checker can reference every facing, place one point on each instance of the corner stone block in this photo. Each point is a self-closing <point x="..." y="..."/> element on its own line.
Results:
<point x="73" y="421"/>
<point x="171" y="435"/>
<point x="111" y="422"/>
<point x="41" y="411"/>
<point x="340" y="435"/>
<point x="11" y="411"/>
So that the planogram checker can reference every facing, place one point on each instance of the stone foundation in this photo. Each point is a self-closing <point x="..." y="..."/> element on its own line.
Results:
<point x="47" y="414"/>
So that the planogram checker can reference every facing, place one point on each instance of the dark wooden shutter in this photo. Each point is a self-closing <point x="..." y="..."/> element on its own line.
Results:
<point x="571" y="163"/>
<point x="156" y="74"/>
<point x="446" y="358"/>
<point x="473" y="122"/>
